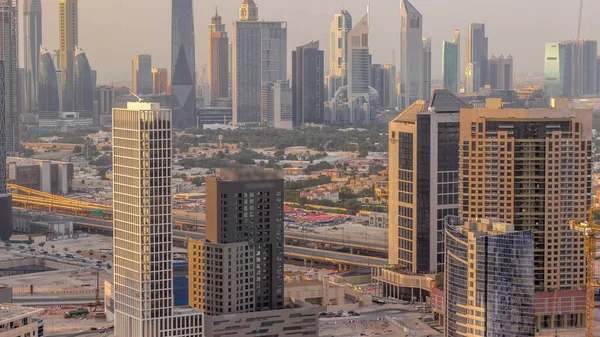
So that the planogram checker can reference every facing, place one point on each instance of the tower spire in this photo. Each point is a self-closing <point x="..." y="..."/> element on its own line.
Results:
<point x="369" y="13"/>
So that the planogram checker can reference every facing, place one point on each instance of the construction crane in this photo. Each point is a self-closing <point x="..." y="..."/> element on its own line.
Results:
<point x="578" y="45"/>
<point x="590" y="231"/>
<point x="97" y="303"/>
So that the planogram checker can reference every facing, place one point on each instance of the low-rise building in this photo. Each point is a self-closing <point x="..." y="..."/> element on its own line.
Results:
<point x="42" y="175"/>
<point x="378" y="220"/>
<point x="17" y="321"/>
<point x="322" y="193"/>
<point x="326" y="294"/>
<point x="298" y="318"/>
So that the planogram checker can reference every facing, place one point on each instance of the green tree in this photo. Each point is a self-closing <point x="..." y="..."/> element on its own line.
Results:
<point x="363" y="150"/>
<point x="77" y="149"/>
<point x="102" y="173"/>
<point x="27" y="152"/>
<point x="439" y="280"/>
<point x="198" y="181"/>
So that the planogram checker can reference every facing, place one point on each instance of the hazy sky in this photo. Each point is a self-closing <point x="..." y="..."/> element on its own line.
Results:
<point x="112" y="31"/>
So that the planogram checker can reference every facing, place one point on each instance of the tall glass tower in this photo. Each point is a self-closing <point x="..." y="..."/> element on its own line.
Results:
<point x="338" y="44"/>
<point x="48" y="102"/>
<point x="450" y="64"/>
<point x="9" y="54"/>
<point x="32" y="28"/>
<point x="411" y="49"/>
<point x="183" y="63"/>
<point x="69" y="37"/>
<point x="83" y="94"/>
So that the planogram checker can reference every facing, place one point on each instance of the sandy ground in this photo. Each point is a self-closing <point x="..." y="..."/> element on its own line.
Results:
<point x="376" y="323"/>
<point x="370" y="328"/>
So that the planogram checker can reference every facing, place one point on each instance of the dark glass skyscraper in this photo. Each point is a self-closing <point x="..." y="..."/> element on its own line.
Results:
<point x="32" y="29"/>
<point x="47" y="87"/>
<point x="477" y="51"/>
<point x="307" y="84"/>
<point x="84" y="86"/>
<point x="246" y="208"/>
<point x="183" y="61"/>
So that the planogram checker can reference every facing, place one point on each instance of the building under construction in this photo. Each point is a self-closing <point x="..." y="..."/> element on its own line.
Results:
<point x="42" y="175"/>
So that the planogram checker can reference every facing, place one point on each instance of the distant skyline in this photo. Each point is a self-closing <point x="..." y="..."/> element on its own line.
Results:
<point x="113" y="31"/>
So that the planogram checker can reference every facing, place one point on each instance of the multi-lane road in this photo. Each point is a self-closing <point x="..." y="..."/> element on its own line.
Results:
<point x="303" y="253"/>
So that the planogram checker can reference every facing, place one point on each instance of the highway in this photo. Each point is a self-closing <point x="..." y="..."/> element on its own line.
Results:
<point x="333" y="257"/>
<point x="376" y="247"/>
<point x="289" y="251"/>
<point x="53" y="300"/>
<point x="309" y="237"/>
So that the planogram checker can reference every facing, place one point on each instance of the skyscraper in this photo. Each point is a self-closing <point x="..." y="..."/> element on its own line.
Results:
<point x="259" y="56"/>
<point x="248" y="11"/>
<point x="160" y="81"/>
<point x="500" y="72"/>
<point x="6" y="228"/>
<point x="459" y="73"/>
<point x="142" y="226"/>
<point x="488" y="279"/>
<point x="477" y="51"/>
<point x="555" y="76"/>
<point x="411" y="50"/>
<point x="69" y="40"/>
<point x="277" y="105"/>
<point x="598" y="76"/>
<point x="472" y="77"/>
<point x="218" y="58"/>
<point x="426" y="75"/>
<point x="260" y="227"/>
<point x="83" y="85"/>
<point x="141" y="74"/>
<point x="570" y="69"/>
<point x="3" y="151"/>
<point x="48" y="103"/>
<point x="588" y="70"/>
<point x="377" y="78"/>
<point x="9" y="54"/>
<point x="32" y="28"/>
<point x="183" y="61"/>
<point x="536" y="175"/>
<point x="105" y="95"/>
<point x="338" y="44"/>
<point x="390" y="96"/>
<point x="359" y="66"/>
<point x="450" y="63"/>
<point x="423" y="180"/>
<point x="308" y="66"/>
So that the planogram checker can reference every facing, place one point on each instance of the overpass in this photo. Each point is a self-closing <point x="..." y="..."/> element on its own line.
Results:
<point x="341" y="259"/>
<point x="306" y="254"/>
<point x="324" y="239"/>
<point x="99" y="216"/>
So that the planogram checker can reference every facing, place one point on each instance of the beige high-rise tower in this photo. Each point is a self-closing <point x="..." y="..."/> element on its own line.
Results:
<point x="532" y="168"/>
<point x="142" y="226"/>
<point x="68" y="18"/>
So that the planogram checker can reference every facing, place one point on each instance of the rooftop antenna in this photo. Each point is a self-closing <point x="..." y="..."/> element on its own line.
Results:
<point x="138" y="97"/>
